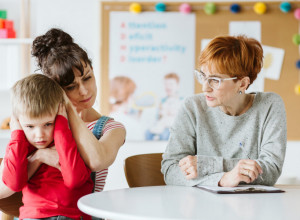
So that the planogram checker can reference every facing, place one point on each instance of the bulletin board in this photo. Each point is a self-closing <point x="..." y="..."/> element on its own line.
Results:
<point x="277" y="30"/>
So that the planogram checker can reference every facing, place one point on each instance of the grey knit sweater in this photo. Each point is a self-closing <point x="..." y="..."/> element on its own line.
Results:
<point x="220" y="140"/>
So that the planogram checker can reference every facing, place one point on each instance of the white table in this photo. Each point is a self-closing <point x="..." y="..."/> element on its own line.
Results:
<point x="177" y="202"/>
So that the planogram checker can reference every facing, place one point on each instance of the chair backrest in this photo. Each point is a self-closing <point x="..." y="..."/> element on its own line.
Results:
<point x="144" y="170"/>
<point x="10" y="205"/>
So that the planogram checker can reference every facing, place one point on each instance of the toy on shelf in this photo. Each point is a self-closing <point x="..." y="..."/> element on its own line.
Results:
<point x="3" y="14"/>
<point x="6" y="26"/>
<point x="5" y="123"/>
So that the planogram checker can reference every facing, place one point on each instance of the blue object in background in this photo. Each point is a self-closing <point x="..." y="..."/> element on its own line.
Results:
<point x="161" y="7"/>
<point x="285" y="7"/>
<point x="164" y="136"/>
<point x="235" y="8"/>
<point x="298" y="64"/>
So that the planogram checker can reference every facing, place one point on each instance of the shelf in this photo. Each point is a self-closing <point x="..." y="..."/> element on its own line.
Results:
<point x="16" y="41"/>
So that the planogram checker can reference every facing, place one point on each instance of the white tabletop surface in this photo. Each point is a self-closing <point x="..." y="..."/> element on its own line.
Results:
<point x="178" y="202"/>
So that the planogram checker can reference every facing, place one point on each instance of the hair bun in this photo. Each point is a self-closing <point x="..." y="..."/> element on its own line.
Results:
<point x="54" y="38"/>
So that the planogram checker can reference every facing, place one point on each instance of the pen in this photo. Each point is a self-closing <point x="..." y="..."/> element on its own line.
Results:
<point x="242" y="146"/>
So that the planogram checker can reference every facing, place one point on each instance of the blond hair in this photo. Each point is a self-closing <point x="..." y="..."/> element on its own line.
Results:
<point x="36" y="96"/>
<point x="238" y="56"/>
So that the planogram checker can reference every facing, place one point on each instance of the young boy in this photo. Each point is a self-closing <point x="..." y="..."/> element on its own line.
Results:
<point x="39" y="121"/>
<point x="168" y="109"/>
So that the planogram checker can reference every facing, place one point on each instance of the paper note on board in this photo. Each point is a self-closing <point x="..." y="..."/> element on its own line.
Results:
<point x="249" y="28"/>
<point x="258" y="84"/>
<point x="273" y="59"/>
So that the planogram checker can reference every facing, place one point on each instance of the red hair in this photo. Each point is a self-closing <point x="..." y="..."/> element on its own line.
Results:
<point x="238" y="56"/>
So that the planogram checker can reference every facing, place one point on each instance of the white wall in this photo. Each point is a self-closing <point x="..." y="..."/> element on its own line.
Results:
<point x="79" y="18"/>
<point x="13" y="10"/>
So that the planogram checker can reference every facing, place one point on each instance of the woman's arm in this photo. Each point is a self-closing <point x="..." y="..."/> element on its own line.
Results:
<point x="73" y="169"/>
<point x="272" y="147"/>
<point x="97" y="154"/>
<point x="273" y="144"/>
<point x="211" y="169"/>
<point x="182" y="164"/>
<point x="182" y="143"/>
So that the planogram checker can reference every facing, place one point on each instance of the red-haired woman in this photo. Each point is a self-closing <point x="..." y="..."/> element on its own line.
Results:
<point x="225" y="136"/>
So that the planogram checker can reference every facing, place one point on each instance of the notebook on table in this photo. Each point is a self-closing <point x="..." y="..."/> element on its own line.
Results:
<point x="241" y="189"/>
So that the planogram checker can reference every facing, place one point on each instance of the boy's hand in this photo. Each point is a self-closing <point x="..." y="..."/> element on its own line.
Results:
<point x="62" y="110"/>
<point x="47" y="156"/>
<point x="14" y="123"/>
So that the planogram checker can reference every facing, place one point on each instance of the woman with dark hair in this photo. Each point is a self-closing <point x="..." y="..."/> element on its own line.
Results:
<point x="67" y="63"/>
<point x="226" y="136"/>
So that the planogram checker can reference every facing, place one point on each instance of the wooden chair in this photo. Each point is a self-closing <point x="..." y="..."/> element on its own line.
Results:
<point x="144" y="170"/>
<point x="10" y="206"/>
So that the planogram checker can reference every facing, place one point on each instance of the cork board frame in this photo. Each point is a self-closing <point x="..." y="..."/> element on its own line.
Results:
<point x="277" y="30"/>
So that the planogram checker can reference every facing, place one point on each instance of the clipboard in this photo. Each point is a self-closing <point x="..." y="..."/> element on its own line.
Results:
<point x="241" y="189"/>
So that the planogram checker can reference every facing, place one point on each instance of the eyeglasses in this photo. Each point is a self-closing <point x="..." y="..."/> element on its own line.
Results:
<point x="213" y="82"/>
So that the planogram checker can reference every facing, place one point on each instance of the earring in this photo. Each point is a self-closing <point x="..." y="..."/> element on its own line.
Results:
<point x="240" y="92"/>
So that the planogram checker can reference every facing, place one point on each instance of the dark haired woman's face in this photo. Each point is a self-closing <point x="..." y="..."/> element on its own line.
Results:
<point x="82" y="92"/>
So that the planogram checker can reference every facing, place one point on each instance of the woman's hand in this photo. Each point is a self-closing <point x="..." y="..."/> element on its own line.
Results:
<point x="67" y="103"/>
<point x="245" y="171"/>
<point x="47" y="156"/>
<point x="62" y="110"/>
<point x="14" y="123"/>
<point x="188" y="166"/>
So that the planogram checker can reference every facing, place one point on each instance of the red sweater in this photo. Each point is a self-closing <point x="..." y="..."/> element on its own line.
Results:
<point x="49" y="192"/>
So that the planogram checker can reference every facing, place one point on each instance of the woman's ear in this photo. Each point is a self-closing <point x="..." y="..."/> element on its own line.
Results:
<point x="245" y="82"/>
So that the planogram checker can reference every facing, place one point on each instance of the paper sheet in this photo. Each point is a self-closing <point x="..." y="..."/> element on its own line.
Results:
<point x="240" y="188"/>
<point x="273" y="59"/>
<point x="248" y="28"/>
